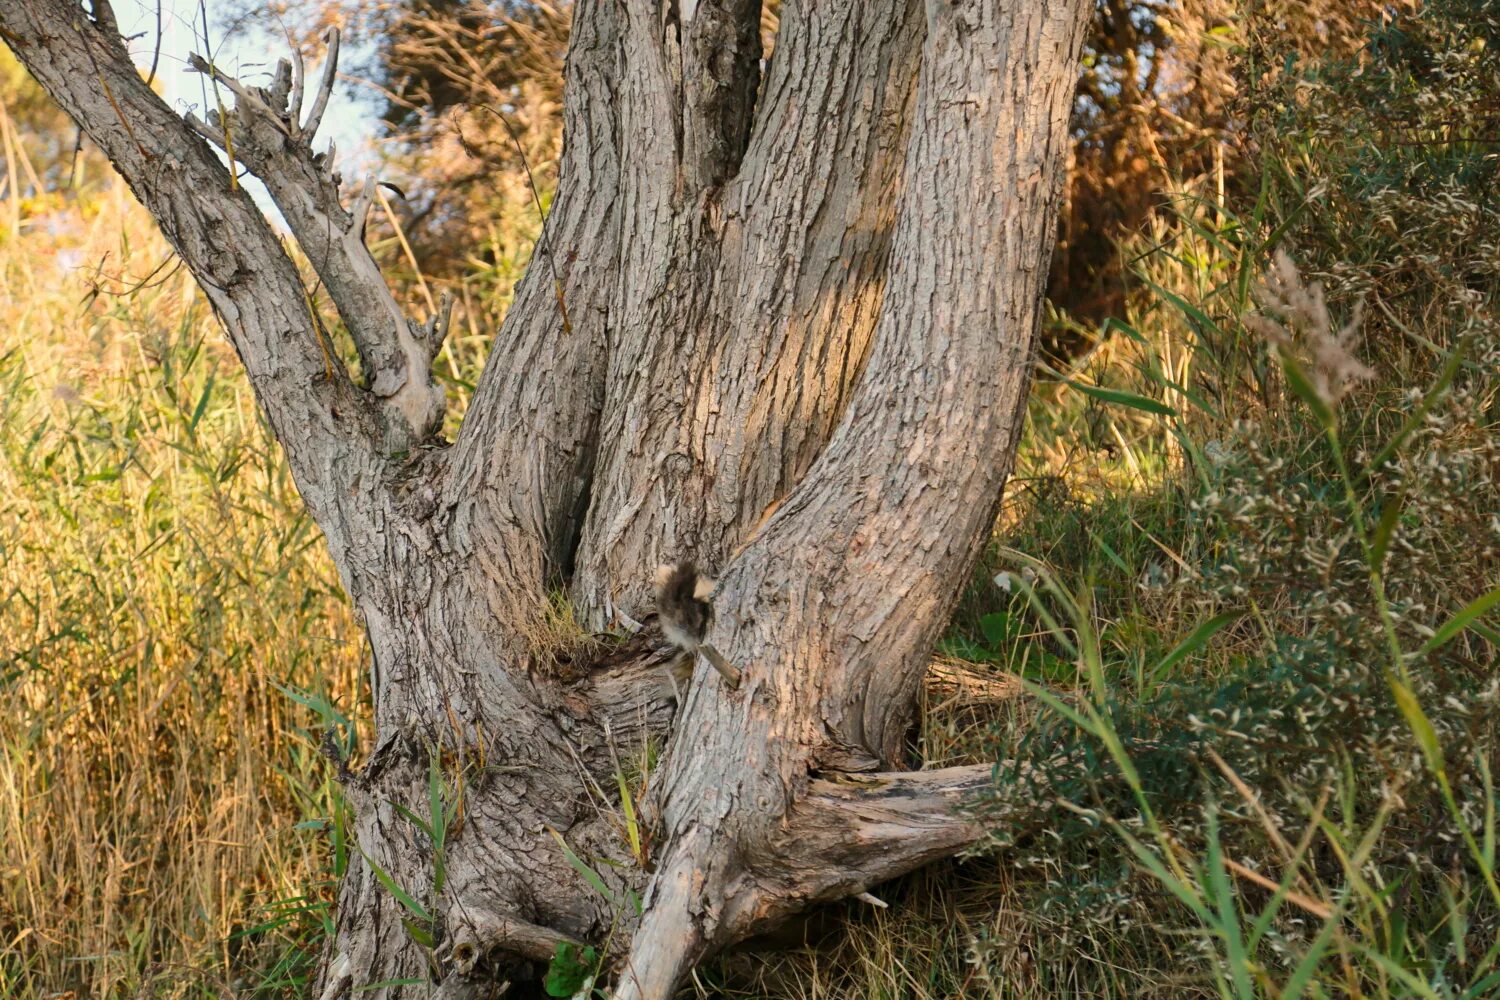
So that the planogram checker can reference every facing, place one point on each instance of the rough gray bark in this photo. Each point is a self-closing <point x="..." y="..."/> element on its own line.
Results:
<point x="756" y="328"/>
<point x="789" y="340"/>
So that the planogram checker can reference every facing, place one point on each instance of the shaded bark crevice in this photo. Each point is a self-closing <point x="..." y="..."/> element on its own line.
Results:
<point x="526" y="454"/>
<point x="720" y="52"/>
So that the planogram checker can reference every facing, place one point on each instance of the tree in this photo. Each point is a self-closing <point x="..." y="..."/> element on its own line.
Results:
<point x="779" y="326"/>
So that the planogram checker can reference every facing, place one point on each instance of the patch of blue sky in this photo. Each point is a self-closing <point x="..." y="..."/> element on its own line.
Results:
<point x="166" y="32"/>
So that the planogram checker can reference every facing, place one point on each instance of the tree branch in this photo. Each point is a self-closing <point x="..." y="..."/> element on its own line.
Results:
<point x="395" y="353"/>
<point x="477" y="937"/>
<point x="852" y="832"/>
<point x="842" y="837"/>
<point x="476" y="933"/>
<point x="317" y="414"/>
<point x="524" y="459"/>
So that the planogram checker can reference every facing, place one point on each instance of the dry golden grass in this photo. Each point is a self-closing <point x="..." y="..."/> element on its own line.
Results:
<point x="160" y="584"/>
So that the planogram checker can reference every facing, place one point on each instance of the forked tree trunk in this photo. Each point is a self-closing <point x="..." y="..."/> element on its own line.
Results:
<point x="789" y="339"/>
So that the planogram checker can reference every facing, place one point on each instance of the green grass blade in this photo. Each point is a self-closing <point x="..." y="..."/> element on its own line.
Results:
<point x="1307" y="967"/>
<point x="1121" y="397"/>
<point x="1385" y="528"/>
<point x="416" y="820"/>
<point x="1193" y="642"/>
<point x="632" y="827"/>
<point x="589" y="875"/>
<point x="1429" y="400"/>
<point x="1475" y="609"/>
<point x="402" y="897"/>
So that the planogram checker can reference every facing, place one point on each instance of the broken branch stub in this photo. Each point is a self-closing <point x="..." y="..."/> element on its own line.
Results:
<point x="263" y="133"/>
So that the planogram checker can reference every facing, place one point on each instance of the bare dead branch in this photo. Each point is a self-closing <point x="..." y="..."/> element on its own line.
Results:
<point x="478" y="932"/>
<point x="220" y="235"/>
<point x="843" y="836"/>
<point x="395" y="353"/>
<point x="359" y="209"/>
<point x="299" y="82"/>
<point x="207" y="131"/>
<point x="325" y="87"/>
<point x="249" y="101"/>
<point x="436" y="329"/>
<point x="854" y="831"/>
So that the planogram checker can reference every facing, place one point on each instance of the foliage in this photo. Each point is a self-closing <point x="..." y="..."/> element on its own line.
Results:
<point x="571" y="971"/>
<point x="1307" y="806"/>
<point x="470" y="94"/>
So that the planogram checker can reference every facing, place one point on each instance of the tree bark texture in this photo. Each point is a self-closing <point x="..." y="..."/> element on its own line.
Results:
<point x="780" y="324"/>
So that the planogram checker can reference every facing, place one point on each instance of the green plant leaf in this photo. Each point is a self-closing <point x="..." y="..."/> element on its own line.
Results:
<point x="1187" y="894"/>
<point x="1475" y="609"/>
<point x="1429" y="399"/>
<point x="437" y="814"/>
<point x="1120" y="397"/>
<point x="402" y="897"/>
<point x="1485" y="987"/>
<point x="208" y="388"/>
<point x="1415" y="986"/>
<point x="1421" y="726"/>
<point x="1297" y="379"/>
<point x="1385" y="528"/>
<point x="1110" y="553"/>
<point x="1227" y="925"/>
<point x="1484" y="631"/>
<point x="999" y="629"/>
<point x="416" y="820"/>
<point x="1112" y="323"/>
<point x="1156" y="375"/>
<point x="387" y="983"/>
<point x="1199" y="319"/>
<point x="570" y="969"/>
<point x="632" y="825"/>
<point x="1193" y="642"/>
<point x="962" y="648"/>
<point x="1040" y="665"/>
<point x="418" y="933"/>
<point x="1061" y="707"/>
<point x="589" y="875"/>
<point x="1302" y="975"/>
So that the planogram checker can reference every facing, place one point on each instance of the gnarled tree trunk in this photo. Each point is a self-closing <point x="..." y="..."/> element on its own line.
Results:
<point x="788" y="338"/>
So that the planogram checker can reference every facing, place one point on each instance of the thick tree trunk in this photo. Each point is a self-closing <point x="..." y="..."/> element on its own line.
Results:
<point x="789" y="340"/>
